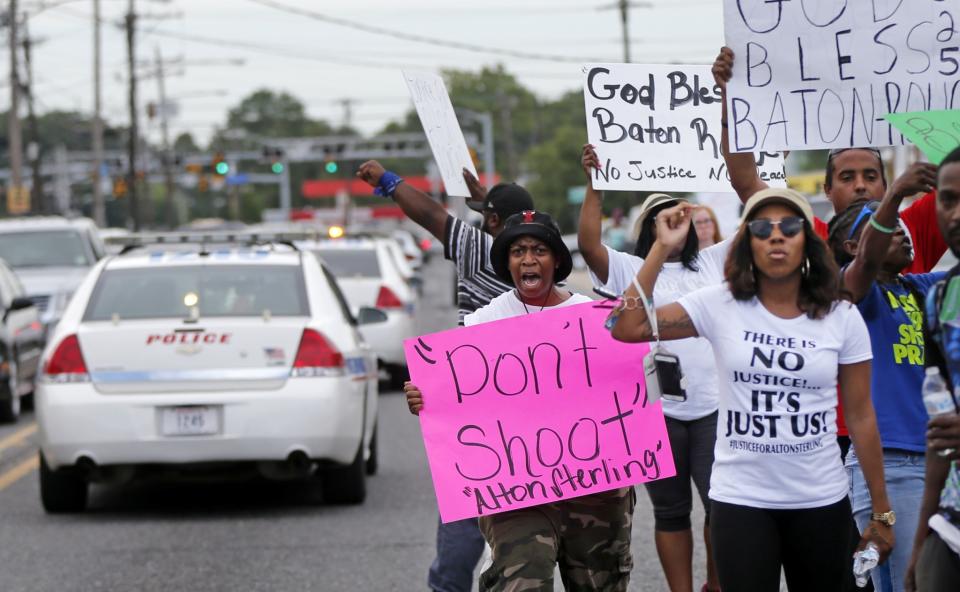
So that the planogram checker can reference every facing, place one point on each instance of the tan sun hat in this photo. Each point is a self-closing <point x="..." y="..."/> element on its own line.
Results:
<point x="654" y="200"/>
<point x="777" y="195"/>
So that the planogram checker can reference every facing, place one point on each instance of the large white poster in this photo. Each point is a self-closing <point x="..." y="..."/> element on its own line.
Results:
<point x="657" y="128"/>
<point x="440" y="124"/>
<point x="823" y="73"/>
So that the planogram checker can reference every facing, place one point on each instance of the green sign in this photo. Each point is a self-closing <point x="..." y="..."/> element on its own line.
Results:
<point x="935" y="133"/>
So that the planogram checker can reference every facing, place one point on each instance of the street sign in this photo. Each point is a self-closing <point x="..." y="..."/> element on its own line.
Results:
<point x="576" y="195"/>
<point x="238" y="179"/>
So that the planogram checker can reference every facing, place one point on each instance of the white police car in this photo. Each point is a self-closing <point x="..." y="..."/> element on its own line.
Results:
<point x="370" y="276"/>
<point x="179" y="358"/>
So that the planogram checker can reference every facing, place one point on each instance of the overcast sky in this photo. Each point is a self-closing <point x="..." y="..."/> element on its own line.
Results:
<point x="322" y="63"/>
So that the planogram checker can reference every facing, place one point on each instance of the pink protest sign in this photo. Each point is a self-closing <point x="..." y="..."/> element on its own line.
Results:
<point x="535" y="409"/>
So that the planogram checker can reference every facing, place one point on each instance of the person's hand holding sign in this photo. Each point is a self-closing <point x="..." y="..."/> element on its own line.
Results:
<point x="589" y="160"/>
<point x="478" y="192"/>
<point x="723" y="68"/>
<point x="414" y="397"/>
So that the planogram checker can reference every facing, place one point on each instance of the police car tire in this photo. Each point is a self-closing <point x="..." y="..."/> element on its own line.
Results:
<point x="373" y="462"/>
<point x="9" y="397"/>
<point x="62" y="491"/>
<point x="346" y="485"/>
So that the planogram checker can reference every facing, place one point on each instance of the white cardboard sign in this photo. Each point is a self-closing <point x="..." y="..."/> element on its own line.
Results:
<point x="440" y="124"/>
<point x="822" y="73"/>
<point x="657" y="128"/>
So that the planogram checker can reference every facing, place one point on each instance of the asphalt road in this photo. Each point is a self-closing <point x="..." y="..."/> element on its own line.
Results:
<point x="256" y="536"/>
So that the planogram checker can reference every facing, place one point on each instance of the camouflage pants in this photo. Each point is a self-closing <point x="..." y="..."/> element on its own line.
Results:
<point x="588" y="537"/>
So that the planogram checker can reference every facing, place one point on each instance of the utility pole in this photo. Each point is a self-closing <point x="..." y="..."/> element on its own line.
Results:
<point x="167" y="157"/>
<point x="486" y="122"/>
<point x="15" y="138"/>
<point x="625" y="23"/>
<point x="131" y="21"/>
<point x="33" y="149"/>
<point x="99" y="207"/>
<point x="505" y="106"/>
<point x="347" y="112"/>
<point x="624" y="7"/>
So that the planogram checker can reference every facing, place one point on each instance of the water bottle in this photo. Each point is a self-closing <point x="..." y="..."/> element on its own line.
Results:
<point x="863" y="562"/>
<point x="936" y="398"/>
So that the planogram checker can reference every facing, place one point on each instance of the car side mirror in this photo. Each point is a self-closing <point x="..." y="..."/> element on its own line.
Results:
<point x="370" y="316"/>
<point x="19" y="303"/>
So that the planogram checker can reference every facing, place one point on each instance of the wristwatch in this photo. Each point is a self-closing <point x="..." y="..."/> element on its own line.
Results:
<point x="885" y="518"/>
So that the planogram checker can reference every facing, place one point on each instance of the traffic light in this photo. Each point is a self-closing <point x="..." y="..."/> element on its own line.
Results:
<point x="203" y="185"/>
<point x="331" y="166"/>
<point x="273" y="156"/>
<point x="220" y="165"/>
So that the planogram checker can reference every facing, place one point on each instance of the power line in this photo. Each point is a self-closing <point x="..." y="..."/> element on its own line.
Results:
<point x="420" y="38"/>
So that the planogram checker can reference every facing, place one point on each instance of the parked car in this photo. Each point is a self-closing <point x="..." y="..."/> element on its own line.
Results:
<point x="412" y="252"/>
<point x="171" y="358"/>
<point x="21" y="343"/>
<point x="51" y="255"/>
<point x="113" y="239"/>
<point x="369" y="273"/>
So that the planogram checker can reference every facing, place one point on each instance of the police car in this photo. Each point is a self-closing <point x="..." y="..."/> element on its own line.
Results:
<point x="370" y="275"/>
<point x="185" y="358"/>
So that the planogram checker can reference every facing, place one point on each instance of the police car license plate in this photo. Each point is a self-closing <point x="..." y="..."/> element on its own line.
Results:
<point x="189" y="421"/>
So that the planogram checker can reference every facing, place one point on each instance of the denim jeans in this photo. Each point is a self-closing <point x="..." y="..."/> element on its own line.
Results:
<point x="903" y="472"/>
<point x="459" y="548"/>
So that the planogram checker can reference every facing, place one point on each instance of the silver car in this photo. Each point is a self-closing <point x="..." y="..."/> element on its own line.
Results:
<point x="51" y="256"/>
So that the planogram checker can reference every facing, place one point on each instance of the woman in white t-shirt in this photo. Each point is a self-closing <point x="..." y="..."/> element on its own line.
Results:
<point x="691" y="424"/>
<point x="587" y="537"/>
<point x="783" y="341"/>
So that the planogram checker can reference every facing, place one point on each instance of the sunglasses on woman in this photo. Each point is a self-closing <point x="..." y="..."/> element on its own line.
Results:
<point x="762" y="228"/>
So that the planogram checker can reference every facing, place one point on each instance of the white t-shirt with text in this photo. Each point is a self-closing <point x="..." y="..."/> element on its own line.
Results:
<point x="776" y="431"/>
<point x="696" y="357"/>
<point x="508" y="305"/>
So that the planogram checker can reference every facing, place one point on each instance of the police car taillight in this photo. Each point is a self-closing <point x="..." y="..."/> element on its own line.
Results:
<point x="66" y="364"/>
<point x="317" y="357"/>
<point x="387" y="299"/>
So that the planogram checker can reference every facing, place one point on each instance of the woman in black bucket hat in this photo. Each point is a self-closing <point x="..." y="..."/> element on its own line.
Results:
<point x="587" y="537"/>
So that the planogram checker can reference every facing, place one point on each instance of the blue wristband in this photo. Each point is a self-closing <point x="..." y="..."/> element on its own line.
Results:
<point x="388" y="184"/>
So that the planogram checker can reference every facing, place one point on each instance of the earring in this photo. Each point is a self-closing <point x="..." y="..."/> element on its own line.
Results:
<point x="805" y="267"/>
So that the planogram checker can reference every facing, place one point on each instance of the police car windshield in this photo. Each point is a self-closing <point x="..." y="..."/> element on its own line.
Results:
<point x="45" y="248"/>
<point x="215" y="291"/>
<point x="346" y="263"/>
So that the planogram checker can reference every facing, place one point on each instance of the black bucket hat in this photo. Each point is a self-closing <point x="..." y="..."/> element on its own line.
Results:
<point x="541" y="227"/>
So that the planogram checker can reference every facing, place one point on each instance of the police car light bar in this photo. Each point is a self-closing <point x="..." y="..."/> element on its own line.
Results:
<point x="134" y="241"/>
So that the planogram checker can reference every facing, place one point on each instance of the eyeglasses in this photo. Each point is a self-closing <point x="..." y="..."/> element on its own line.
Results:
<point x="837" y="151"/>
<point x="867" y="211"/>
<point x="703" y="222"/>
<point x="762" y="228"/>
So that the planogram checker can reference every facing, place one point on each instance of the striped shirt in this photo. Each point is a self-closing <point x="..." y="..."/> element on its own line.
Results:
<point x="469" y="249"/>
